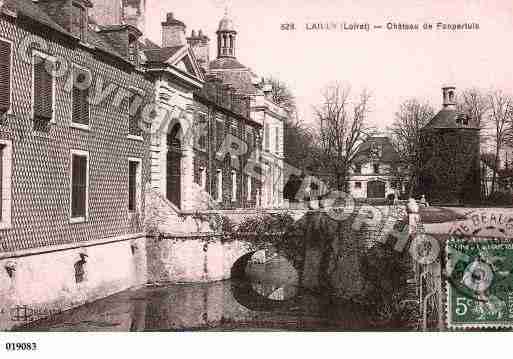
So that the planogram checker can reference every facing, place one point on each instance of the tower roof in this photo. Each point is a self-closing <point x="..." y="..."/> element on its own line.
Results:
<point x="226" y="24"/>
<point x="451" y="118"/>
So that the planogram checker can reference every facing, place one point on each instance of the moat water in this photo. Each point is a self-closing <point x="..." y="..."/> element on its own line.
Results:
<point x="267" y="297"/>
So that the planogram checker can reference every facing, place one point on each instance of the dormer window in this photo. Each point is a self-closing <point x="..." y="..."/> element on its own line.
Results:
<point x="78" y="20"/>
<point x="133" y="50"/>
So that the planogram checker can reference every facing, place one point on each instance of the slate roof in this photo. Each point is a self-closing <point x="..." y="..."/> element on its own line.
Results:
<point x="161" y="54"/>
<point x="226" y="63"/>
<point x="33" y="11"/>
<point x="240" y="80"/>
<point x="447" y="118"/>
<point x="388" y="153"/>
<point x="147" y="44"/>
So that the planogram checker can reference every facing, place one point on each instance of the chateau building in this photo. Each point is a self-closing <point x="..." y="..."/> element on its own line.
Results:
<point x="189" y="166"/>
<point x="74" y="159"/>
<point x="267" y="114"/>
<point x="376" y="172"/>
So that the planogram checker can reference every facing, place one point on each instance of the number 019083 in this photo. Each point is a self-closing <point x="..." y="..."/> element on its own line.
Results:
<point x="20" y="346"/>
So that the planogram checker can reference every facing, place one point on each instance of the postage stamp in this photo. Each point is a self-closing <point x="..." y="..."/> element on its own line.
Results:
<point x="479" y="284"/>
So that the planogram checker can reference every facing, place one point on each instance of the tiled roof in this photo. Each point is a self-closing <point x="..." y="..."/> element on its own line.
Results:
<point x="448" y="118"/>
<point x="161" y="54"/>
<point x="388" y="153"/>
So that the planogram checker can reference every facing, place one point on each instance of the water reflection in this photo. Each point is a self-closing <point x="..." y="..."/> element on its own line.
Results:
<point x="265" y="297"/>
<point x="272" y="276"/>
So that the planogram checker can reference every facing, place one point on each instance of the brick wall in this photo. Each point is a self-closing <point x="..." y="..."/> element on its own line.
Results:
<point x="41" y="161"/>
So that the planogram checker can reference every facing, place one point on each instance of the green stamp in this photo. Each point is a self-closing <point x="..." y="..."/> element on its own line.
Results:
<point x="479" y="283"/>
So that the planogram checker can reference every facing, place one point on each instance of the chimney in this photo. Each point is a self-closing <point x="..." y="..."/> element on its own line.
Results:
<point x="449" y="97"/>
<point x="106" y="12"/>
<point x="173" y="32"/>
<point x="200" y="45"/>
<point x="70" y="15"/>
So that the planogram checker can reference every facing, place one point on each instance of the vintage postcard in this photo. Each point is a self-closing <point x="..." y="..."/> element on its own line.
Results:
<point x="215" y="165"/>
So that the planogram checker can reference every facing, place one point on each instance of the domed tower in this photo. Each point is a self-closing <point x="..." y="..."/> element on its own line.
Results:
<point x="449" y="165"/>
<point x="226" y="36"/>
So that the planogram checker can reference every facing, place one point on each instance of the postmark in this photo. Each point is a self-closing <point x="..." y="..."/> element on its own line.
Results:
<point x="479" y="283"/>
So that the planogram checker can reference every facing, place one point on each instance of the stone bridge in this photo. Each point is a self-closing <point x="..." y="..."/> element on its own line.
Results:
<point x="201" y="257"/>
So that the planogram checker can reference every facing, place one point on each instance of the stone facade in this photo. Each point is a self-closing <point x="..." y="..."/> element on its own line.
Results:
<point x="227" y="121"/>
<point x="53" y="259"/>
<point x="269" y="116"/>
<point x="376" y="172"/>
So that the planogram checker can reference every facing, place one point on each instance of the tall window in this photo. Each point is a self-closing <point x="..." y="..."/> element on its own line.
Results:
<point x="375" y="167"/>
<point x="43" y="96"/>
<point x="134" y="184"/>
<point x="80" y="94"/>
<point x="202" y="131"/>
<point x="219" y="133"/>
<point x="79" y="184"/>
<point x="249" y="189"/>
<point x="266" y="137"/>
<point x="203" y="178"/>
<point x="358" y="168"/>
<point x="249" y="133"/>
<point x="134" y="114"/>
<point x="5" y="76"/>
<point x="234" y="186"/>
<point x="219" y="185"/>
<point x="277" y="142"/>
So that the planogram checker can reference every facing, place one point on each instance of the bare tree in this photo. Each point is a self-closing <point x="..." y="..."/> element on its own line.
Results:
<point x="342" y="127"/>
<point x="281" y="95"/>
<point x="500" y="118"/>
<point x="476" y="105"/>
<point x="412" y="116"/>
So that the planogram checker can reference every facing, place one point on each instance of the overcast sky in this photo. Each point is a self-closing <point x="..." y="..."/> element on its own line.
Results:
<point x="394" y="65"/>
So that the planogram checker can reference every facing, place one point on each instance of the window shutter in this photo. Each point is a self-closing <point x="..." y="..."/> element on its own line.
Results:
<point x="79" y="186"/>
<point x="43" y="95"/>
<point x="5" y="76"/>
<point x="132" y="178"/>
<point x="219" y="133"/>
<point x="80" y="104"/>
<point x="134" y="115"/>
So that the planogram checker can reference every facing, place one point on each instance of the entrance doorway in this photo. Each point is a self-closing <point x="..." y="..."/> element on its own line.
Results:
<point x="376" y="189"/>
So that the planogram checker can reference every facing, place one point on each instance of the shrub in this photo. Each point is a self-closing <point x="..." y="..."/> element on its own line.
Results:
<point x="500" y="199"/>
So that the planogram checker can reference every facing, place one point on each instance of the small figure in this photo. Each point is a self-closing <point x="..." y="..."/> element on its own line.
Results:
<point x="423" y="201"/>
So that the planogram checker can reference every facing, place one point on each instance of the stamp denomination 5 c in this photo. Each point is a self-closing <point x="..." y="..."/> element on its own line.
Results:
<point x="480" y="283"/>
